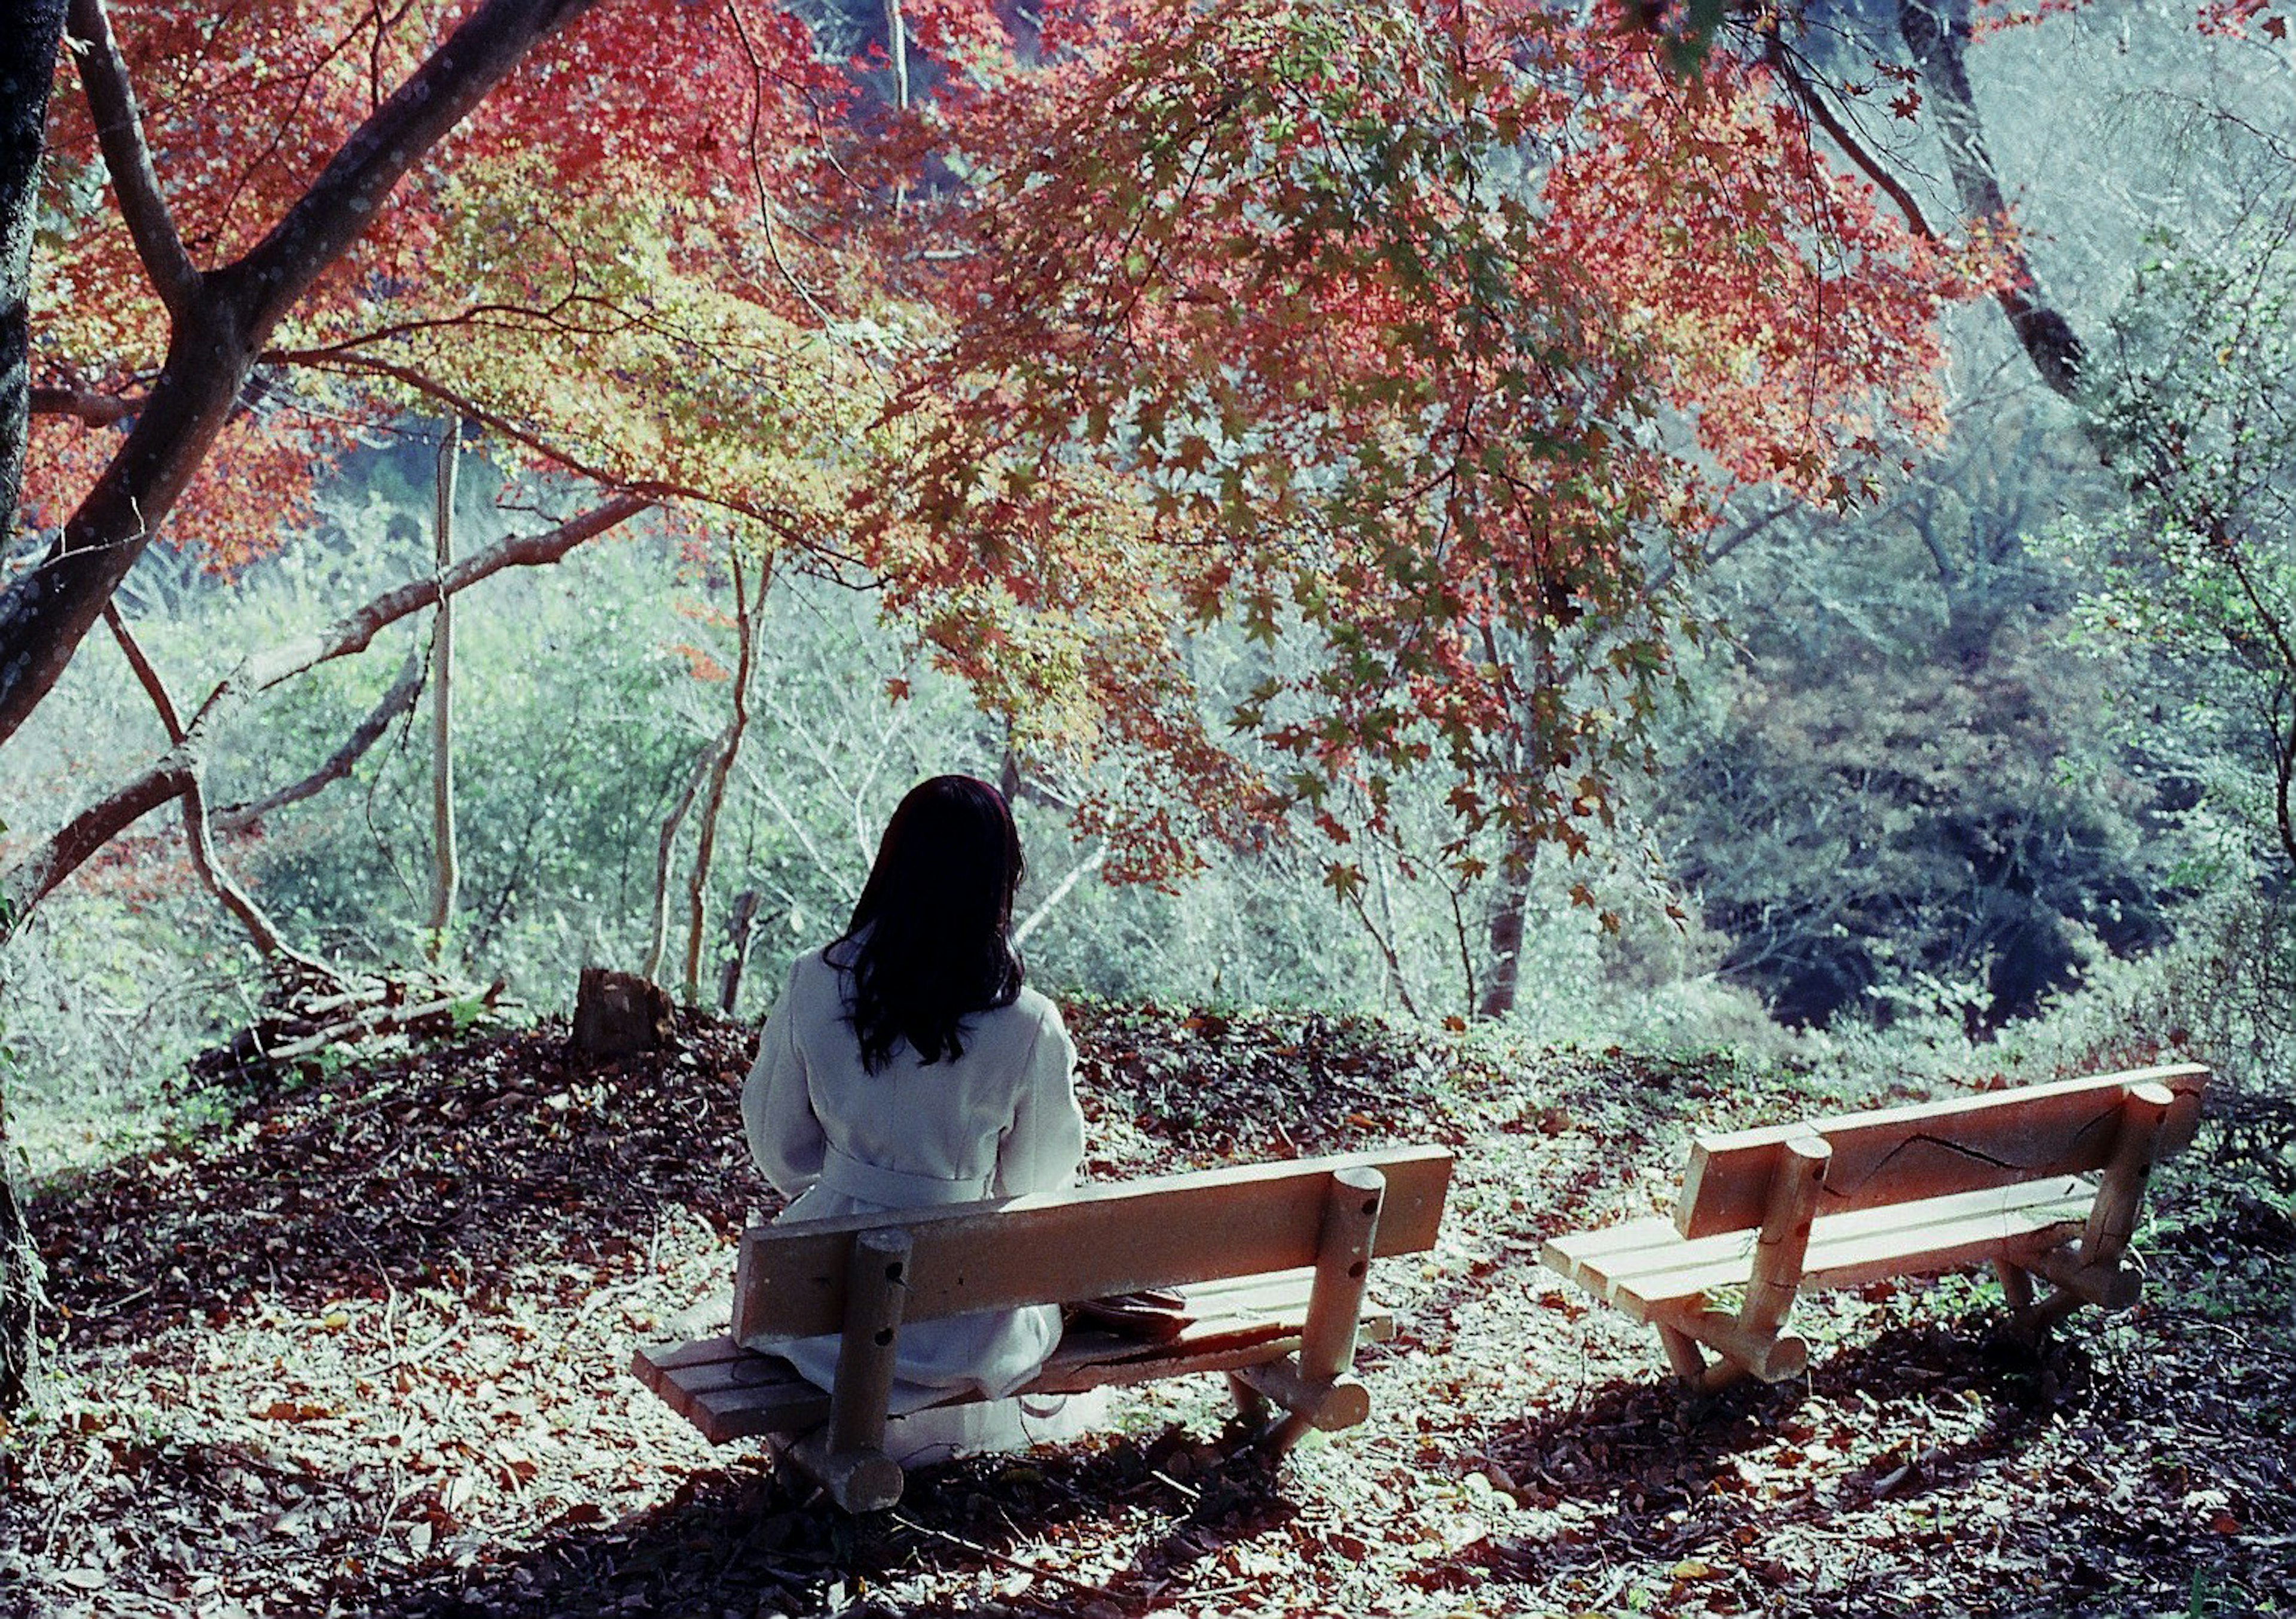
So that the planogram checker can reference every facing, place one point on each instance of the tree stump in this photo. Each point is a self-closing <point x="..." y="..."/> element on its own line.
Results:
<point x="616" y="1013"/>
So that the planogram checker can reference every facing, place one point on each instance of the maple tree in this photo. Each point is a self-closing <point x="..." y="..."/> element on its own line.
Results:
<point x="1436" y="338"/>
<point x="588" y="259"/>
<point x="1439" y="337"/>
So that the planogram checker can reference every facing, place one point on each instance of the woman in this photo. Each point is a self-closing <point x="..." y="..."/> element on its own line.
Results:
<point x="906" y="1065"/>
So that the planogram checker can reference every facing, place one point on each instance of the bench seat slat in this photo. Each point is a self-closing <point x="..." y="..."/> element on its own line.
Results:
<point x="731" y="1393"/>
<point x="1648" y="1269"/>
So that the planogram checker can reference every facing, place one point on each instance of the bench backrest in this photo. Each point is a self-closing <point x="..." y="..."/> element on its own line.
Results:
<point x="1062" y="1247"/>
<point x="1931" y="1150"/>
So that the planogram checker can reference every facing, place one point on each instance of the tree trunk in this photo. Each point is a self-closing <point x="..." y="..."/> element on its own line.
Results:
<point x="705" y="839"/>
<point x="19" y="1290"/>
<point x="28" y="63"/>
<point x="1508" y="915"/>
<point x="445" y="866"/>
<point x="665" y="858"/>
<point x="222" y="318"/>
<point x="1936" y="33"/>
<point x="738" y="924"/>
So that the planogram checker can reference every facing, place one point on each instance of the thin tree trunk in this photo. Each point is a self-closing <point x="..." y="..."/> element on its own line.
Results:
<point x="665" y="857"/>
<point x="445" y="866"/>
<point x="705" y="843"/>
<point x="738" y="925"/>
<point x="1509" y="914"/>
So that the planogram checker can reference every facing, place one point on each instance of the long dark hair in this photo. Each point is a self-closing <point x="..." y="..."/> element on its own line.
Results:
<point x="927" y="943"/>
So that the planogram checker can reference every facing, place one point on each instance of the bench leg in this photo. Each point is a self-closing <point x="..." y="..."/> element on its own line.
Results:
<point x="1250" y="1404"/>
<point x="847" y="1455"/>
<point x="2016" y="1285"/>
<point x="1315" y="1388"/>
<point x="1683" y="1353"/>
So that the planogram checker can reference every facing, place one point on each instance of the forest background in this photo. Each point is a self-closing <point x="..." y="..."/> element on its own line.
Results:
<point x="1710" y="529"/>
<point x="1919" y="661"/>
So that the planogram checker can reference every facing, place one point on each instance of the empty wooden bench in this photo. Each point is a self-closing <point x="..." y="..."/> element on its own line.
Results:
<point x="2044" y="1181"/>
<point x="1271" y="1259"/>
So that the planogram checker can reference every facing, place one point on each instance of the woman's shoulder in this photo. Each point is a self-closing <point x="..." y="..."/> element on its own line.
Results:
<point x="1033" y="1005"/>
<point x="816" y="976"/>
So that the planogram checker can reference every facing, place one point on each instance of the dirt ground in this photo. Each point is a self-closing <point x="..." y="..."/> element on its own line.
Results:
<point x="362" y="1348"/>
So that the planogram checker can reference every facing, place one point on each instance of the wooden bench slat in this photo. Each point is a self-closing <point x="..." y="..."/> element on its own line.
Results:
<point x="1174" y="1231"/>
<point x="1647" y="1267"/>
<point x="729" y="1392"/>
<point x="1902" y="1155"/>
<point x="1638" y="1247"/>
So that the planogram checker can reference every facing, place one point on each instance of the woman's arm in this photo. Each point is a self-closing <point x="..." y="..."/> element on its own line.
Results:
<point x="1043" y="1148"/>
<point x="786" y="1136"/>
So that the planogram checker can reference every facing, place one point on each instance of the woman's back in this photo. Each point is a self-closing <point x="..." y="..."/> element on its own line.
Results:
<point x="996" y="1121"/>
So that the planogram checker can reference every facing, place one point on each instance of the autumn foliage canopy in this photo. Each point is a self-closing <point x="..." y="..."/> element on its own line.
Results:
<point x="1420" y="344"/>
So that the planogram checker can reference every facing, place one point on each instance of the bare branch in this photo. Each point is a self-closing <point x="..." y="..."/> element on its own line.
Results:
<point x="120" y="133"/>
<point x="262" y="932"/>
<point x="82" y="405"/>
<point x="395" y="702"/>
<point x="177" y="771"/>
<point x="1812" y="102"/>
<point x="1074" y="875"/>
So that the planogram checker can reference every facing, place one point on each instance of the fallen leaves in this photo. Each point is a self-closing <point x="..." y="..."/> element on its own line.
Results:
<point x="330" y="1361"/>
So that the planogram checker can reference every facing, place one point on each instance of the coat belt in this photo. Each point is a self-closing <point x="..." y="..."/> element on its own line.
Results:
<point x="841" y="1172"/>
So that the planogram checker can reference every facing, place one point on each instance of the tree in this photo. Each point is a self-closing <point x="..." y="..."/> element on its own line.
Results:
<point x="628" y="308"/>
<point x="220" y="321"/>
<point x="1438" y="337"/>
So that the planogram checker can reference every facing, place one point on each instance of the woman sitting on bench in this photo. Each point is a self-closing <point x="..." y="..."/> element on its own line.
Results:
<point x="906" y="1065"/>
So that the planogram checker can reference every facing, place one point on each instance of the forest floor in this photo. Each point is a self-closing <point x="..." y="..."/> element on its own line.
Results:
<point x="362" y="1348"/>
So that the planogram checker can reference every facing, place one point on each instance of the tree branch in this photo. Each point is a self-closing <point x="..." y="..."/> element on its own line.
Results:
<point x="119" y="133"/>
<point x="351" y="190"/>
<point x="395" y="702"/>
<point x="1074" y="875"/>
<point x="1812" y="102"/>
<point x="177" y="771"/>
<point x="82" y="405"/>
<point x="472" y="409"/>
<point x="261" y="931"/>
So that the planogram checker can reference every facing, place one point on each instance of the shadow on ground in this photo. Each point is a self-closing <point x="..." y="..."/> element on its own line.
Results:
<point x="449" y="1170"/>
<point x="748" y="1542"/>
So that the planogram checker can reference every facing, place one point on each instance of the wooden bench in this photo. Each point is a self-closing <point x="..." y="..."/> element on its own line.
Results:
<point x="2044" y="1181"/>
<point x="1271" y="1259"/>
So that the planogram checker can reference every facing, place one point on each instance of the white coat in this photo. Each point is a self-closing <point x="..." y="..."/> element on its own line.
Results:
<point x="999" y="1121"/>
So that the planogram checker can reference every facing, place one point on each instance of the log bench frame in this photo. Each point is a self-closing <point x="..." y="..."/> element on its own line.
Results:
<point x="1299" y="1235"/>
<point x="2003" y="1178"/>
